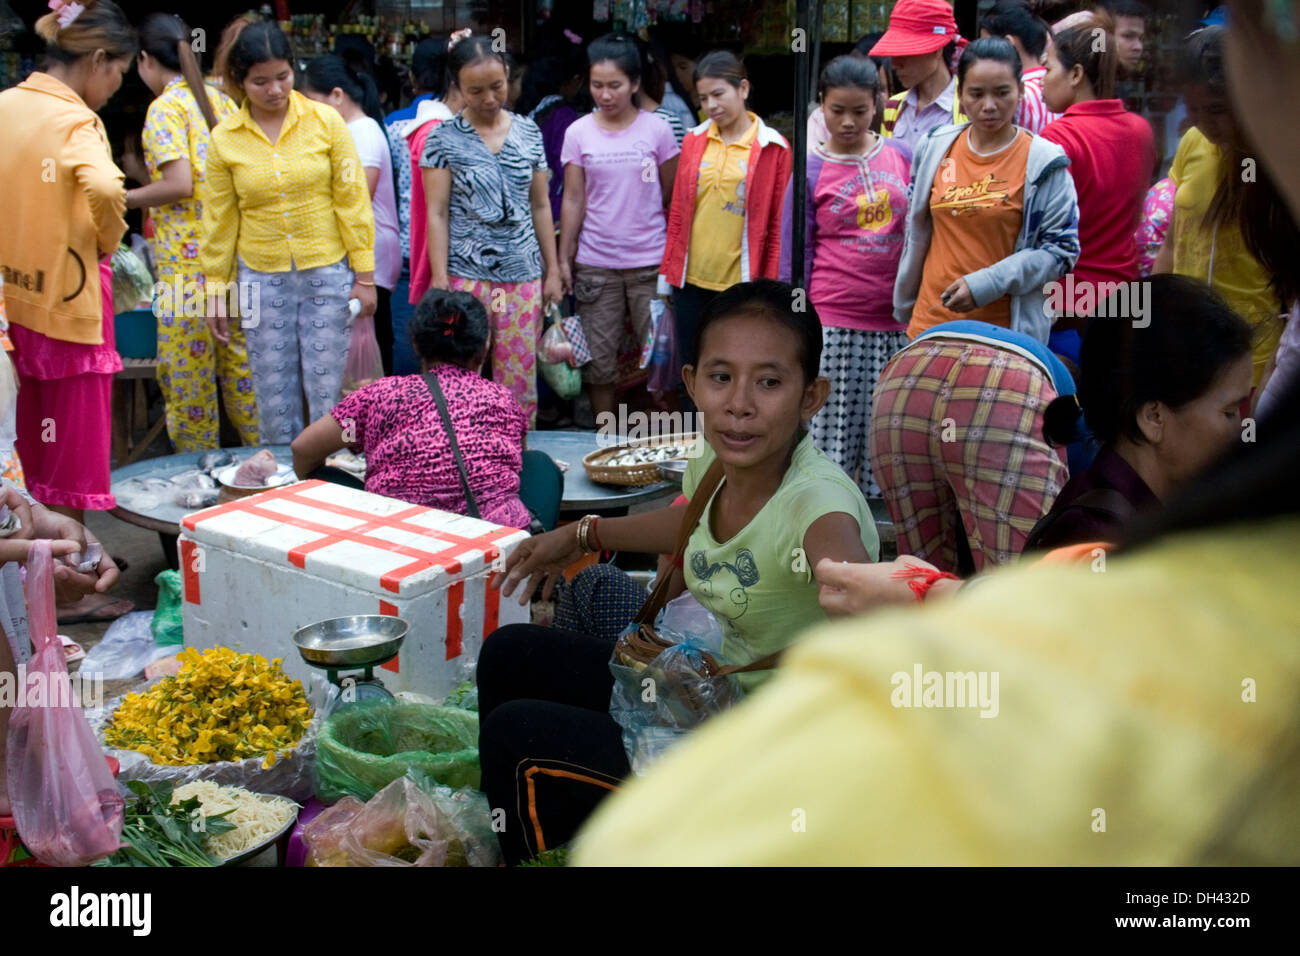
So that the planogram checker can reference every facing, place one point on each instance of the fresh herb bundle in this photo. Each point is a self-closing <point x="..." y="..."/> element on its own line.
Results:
<point x="157" y="832"/>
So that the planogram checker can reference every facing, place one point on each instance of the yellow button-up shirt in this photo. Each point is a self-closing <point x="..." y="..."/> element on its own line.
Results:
<point x="299" y="202"/>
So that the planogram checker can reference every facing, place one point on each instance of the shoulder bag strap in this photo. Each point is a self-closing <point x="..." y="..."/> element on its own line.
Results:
<point x="432" y="381"/>
<point x="694" y="511"/>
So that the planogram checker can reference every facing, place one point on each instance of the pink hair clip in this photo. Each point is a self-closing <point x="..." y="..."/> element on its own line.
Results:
<point x="68" y="12"/>
<point x="572" y="37"/>
<point x="455" y="38"/>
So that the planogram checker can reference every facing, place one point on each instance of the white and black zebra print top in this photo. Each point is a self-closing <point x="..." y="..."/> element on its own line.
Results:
<point x="489" y="215"/>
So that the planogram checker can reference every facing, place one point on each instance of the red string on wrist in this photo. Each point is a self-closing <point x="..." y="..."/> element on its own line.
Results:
<point x="920" y="579"/>
<point x="593" y="537"/>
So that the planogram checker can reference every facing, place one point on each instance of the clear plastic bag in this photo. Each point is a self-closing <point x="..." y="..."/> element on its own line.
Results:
<point x="66" y="806"/>
<point x="665" y="369"/>
<point x="132" y="281"/>
<point x="364" y="364"/>
<point x="290" y="776"/>
<point x="659" y="704"/>
<point x="556" y="360"/>
<point x="127" y="648"/>
<point x="410" y="822"/>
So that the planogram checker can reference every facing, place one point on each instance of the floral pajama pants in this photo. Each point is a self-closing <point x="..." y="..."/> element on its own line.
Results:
<point x="298" y="337"/>
<point x="514" y="313"/>
<point x="191" y="363"/>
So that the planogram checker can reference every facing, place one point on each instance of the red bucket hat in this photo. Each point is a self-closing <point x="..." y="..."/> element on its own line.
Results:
<point x="917" y="27"/>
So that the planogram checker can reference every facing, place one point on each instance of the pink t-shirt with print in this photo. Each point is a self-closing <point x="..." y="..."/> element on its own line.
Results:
<point x="625" y="225"/>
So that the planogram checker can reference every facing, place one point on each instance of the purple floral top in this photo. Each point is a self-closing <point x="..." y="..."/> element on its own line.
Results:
<point x="1150" y="233"/>
<point x="395" y="422"/>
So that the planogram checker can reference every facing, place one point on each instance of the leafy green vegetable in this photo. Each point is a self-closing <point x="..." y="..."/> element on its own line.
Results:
<point x="557" y="857"/>
<point x="157" y="832"/>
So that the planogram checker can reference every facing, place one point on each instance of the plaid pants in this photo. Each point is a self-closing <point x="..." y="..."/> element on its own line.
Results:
<point x="956" y="432"/>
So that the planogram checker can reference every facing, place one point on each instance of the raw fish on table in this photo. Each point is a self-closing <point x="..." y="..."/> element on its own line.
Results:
<point x="257" y="470"/>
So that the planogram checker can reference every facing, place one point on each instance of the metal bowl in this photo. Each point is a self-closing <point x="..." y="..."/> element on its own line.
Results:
<point x="270" y="841"/>
<point x="673" y="470"/>
<point x="358" y="641"/>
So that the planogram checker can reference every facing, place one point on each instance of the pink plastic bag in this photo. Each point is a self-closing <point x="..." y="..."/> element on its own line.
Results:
<point x="66" y="805"/>
<point x="364" y="364"/>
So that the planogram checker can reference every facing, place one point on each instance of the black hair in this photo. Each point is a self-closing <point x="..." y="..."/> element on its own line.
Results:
<point x="449" y="327"/>
<point x="471" y="50"/>
<point x="659" y="44"/>
<point x="620" y="49"/>
<point x="1077" y="46"/>
<point x="1202" y="61"/>
<point x="769" y="299"/>
<point x="1251" y="482"/>
<point x="544" y="78"/>
<point x="1013" y="18"/>
<point x="260" y="42"/>
<point x="722" y="64"/>
<point x="1191" y="337"/>
<point x="1127" y="8"/>
<point x="429" y="65"/>
<point x="166" y="38"/>
<point x="1271" y="234"/>
<point x="849" y="70"/>
<point x="998" y="49"/>
<point x="654" y="72"/>
<point x="324" y="73"/>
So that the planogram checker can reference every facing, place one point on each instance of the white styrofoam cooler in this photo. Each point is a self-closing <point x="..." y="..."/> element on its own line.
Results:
<point x="257" y="569"/>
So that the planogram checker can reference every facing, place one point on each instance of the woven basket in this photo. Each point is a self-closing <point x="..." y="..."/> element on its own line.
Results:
<point x="646" y="473"/>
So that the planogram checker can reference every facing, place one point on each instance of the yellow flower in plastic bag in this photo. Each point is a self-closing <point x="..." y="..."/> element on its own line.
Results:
<point x="222" y="705"/>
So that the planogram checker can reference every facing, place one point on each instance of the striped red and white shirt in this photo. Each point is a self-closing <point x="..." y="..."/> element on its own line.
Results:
<point x="1033" y="114"/>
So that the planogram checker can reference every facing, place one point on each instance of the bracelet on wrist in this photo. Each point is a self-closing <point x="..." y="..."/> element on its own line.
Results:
<point x="364" y="282"/>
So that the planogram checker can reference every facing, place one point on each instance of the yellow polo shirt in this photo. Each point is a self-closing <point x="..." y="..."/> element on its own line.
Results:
<point x="718" y="225"/>
<point x="1144" y="716"/>
<point x="299" y="202"/>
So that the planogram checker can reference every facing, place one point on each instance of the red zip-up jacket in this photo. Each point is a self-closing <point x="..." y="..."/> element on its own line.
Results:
<point x="765" y="181"/>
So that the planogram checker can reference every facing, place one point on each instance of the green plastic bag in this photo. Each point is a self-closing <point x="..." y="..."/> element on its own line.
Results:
<point x="365" y="746"/>
<point x="167" y="627"/>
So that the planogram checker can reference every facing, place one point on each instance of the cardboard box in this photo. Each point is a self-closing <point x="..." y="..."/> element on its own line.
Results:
<point x="257" y="569"/>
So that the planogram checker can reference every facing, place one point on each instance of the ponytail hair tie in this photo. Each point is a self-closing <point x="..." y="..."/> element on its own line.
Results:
<point x="455" y="38"/>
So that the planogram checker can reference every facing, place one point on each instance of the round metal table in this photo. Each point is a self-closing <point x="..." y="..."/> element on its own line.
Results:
<point x="165" y="516"/>
<point x="581" y="494"/>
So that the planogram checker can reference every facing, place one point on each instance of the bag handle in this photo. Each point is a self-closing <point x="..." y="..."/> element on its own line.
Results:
<point x="432" y="381"/>
<point x="694" y="511"/>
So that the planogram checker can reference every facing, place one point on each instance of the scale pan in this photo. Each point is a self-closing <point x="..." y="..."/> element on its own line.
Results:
<point x="361" y="641"/>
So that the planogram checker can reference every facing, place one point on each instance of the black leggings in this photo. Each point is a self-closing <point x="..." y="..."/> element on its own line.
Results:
<point x="384" y="326"/>
<point x="550" y="752"/>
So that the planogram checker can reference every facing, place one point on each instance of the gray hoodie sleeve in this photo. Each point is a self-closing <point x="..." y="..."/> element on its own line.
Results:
<point x="1052" y="247"/>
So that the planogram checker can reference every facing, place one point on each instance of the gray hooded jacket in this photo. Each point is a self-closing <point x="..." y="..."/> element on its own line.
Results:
<point x="1045" y="250"/>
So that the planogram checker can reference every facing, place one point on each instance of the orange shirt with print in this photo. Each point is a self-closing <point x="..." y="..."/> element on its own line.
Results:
<point x="976" y="205"/>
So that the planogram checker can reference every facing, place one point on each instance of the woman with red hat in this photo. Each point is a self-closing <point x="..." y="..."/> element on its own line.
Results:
<point x="921" y="40"/>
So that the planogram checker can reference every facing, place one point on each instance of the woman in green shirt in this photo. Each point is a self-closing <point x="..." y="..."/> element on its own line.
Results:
<point x="549" y="749"/>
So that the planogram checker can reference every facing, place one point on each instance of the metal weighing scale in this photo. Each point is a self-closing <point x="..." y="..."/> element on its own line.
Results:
<point x="357" y="645"/>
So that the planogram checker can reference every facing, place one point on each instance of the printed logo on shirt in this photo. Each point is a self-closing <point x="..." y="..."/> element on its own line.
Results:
<point x="738" y="206"/>
<point x="731" y="585"/>
<point x="874" y="214"/>
<point x="984" y="193"/>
